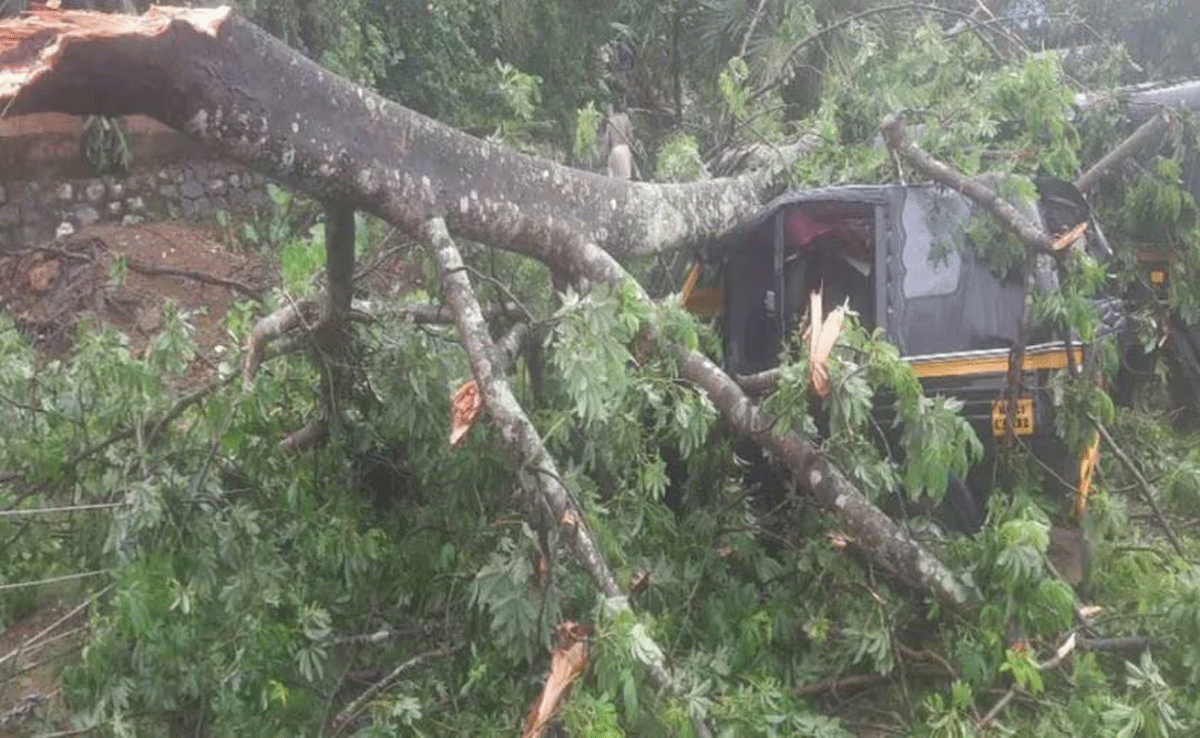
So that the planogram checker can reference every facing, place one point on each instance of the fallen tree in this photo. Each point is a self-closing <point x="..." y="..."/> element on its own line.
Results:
<point x="233" y="87"/>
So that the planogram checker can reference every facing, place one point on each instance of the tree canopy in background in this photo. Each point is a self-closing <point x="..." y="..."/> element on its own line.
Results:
<point x="389" y="583"/>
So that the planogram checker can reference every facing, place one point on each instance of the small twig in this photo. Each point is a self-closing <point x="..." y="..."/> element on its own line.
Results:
<point x="345" y="716"/>
<point x="15" y="653"/>
<point x="53" y="510"/>
<point x="152" y="271"/>
<point x="839" y="683"/>
<point x="415" y="631"/>
<point x="52" y="580"/>
<point x="1068" y="645"/>
<point x="503" y="288"/>
<point x="750" y="31"/>
<point x="927" y="655"/>
<point x="25" y="669"/>
<point x="1148" y="491"/>
<point x="996" y="708"/>
<point x="367" y="269"/>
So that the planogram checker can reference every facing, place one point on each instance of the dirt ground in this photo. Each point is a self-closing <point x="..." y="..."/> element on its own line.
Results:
<point x="47" y="292"/>
<point x="124" y="276"/>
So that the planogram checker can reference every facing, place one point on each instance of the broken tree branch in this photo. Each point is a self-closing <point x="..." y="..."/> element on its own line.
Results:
<point x="1148" y="492"/>
<point x="231" y="86"/>
<point x="271" y="327"/>
<point x="1147" y="134"/>
<point x="539" y="471"/>
<point x="888" y="545"/>
<point x="1030" y="234"/>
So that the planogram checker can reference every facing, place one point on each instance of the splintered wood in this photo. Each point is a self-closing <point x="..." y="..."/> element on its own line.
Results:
<point x="465" y="411"/>
<point x="822" y="335"/>
<point x="568" y="664"/>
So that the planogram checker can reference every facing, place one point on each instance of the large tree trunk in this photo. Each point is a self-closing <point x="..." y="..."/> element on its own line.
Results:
<point x="224" y="81"/>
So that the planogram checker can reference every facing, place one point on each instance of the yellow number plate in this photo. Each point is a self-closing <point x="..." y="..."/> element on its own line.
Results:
<point x="1022" y="418"/>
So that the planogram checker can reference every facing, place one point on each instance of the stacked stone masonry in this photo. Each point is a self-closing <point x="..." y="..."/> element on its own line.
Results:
<point x="47" y="189"/>
<point x="33" y="212"/>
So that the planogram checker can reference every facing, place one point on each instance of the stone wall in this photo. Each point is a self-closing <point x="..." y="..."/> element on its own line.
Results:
<point x="47" y="189"/>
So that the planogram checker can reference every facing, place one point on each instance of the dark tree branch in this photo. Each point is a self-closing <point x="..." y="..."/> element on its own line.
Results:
<point x="339" y="264"/>
<point x="1147" y="134"/>
<point x="1029" y="233"/>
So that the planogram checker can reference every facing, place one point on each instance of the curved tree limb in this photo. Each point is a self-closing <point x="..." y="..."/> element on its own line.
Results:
<point x="1030" y="234"/>
<point x="884" y="541"/>
<point x="1147" y="134"/>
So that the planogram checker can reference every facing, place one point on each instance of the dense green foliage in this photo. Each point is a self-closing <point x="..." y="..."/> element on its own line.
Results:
<point x="243" y="591"/>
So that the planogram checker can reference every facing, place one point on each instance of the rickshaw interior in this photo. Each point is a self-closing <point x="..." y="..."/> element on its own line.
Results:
<point x="806" y="247"/>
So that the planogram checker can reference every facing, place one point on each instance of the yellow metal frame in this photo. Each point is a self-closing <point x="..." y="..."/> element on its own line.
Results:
<point x="1087" y="470"/>
<point x="993" y="362"/>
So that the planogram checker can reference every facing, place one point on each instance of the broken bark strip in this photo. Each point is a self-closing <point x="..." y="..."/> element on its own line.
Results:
<point x="879" y="536"/>
<point x="539" y="471"/>
<point x="1029" y="233"/>
<point x="228" y="84"/>
<point x="1147" y="134"/>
